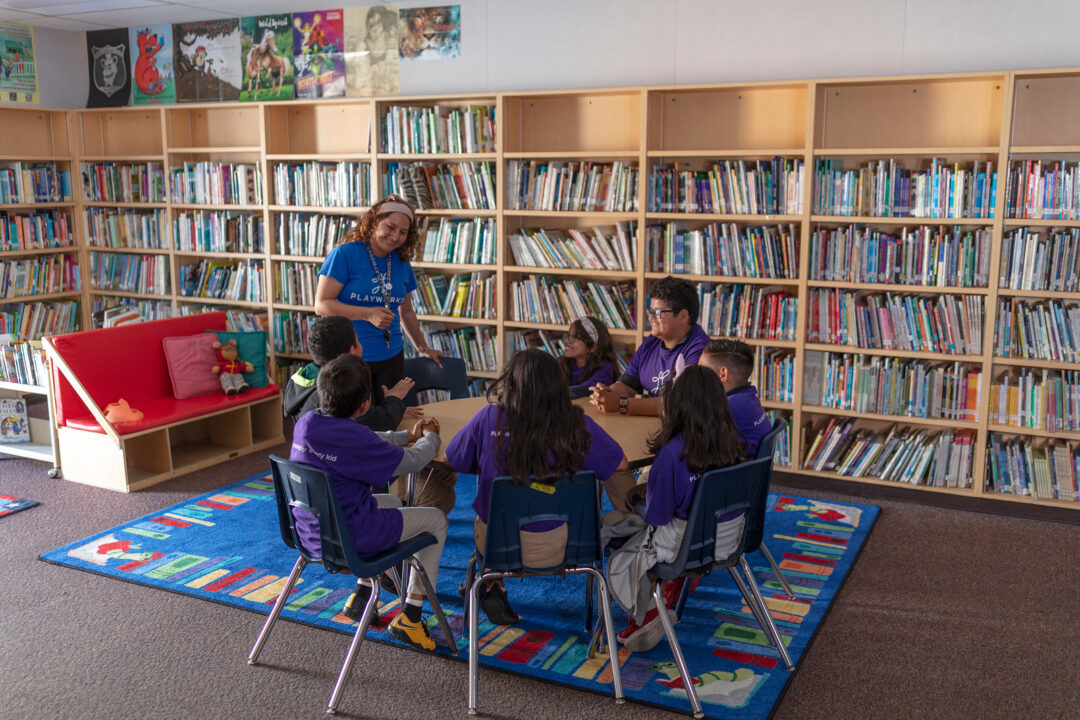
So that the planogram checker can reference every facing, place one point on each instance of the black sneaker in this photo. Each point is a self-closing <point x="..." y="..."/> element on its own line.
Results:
<point x="354" y="608"/>
<point x="496" y="606"/>
<point x="387" y="583"/>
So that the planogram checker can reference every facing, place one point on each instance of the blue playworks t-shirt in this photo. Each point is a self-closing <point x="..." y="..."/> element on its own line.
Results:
<point x="653" y="364"/>
<point x="350" y="265"/>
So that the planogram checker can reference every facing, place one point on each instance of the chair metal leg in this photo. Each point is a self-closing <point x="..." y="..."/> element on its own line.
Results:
<point x="613" y="648"/>
<point x="777" y="572"/>
<point x="744" y="589"/>
<point x="676" y="649"/>
<point x="588" y="602"/>
<point x="474" y="639"/>
<point x="470" y="570"/>
<point x="435" y="606"/>
<point x="358" y="637"/>
<point x="684" y="595"/>
<point x="282" y="600"/>
<point x="395" y="575"/>
<point x="770" y="626"/>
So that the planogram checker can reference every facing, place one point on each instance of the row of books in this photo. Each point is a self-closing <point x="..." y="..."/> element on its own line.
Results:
<point x="929" y="256"/>
<point x="1043" y="190"/>
<point x="285" y="370"/>
<point x="291" y="331"/>
<point x="323" y="184"/>
<point x="560" y="302"/>
<point x="123" y="182"/>
<point x="598" y="248"/>
<point x="471" y="295"/>
<point x="1032" y="260"/>
<point x="761" y="251"/>
<point x="1018" y="467"/>
<point x="144" y="274"/>
<point x="583" y="186"/>
<point x="892" y="386"/>
<point x="35" y="231"/>
<point x="22" y="182"/>
<point x="439" y="129"/>
<point x="218" y="231"/>
<point x="475" y="345"/>
<point x="146" y="309"/>
<point x="443" y="186"/>
<point x="39" y="275"/>
<point x="729" y="187"/>
<point x="295" y="283"/>
<point x="241" y="280"/>
<point x="1047" y="330"/>
<point x="942" y="324"/>
<point x="22" y="361"/>
<point x="782" y="444"/>
<point x="126" y="228"/>
<point x="1041" y="399"/>
<point x="747" y="311"/>
<point x="459" y="240"/>
<point x="310" y="234"/>
<point x="214" y="183"/>
<point x="883" y="188"/>
<point x="917" y="456"/>
<point x="775" y="374"/>
<point x="32" y="320"/>
<point x="235" y="320"/>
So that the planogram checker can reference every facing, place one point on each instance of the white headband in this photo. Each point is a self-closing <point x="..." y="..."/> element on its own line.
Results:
<point x="393" y="207"/>
<point x="590" y="328"/>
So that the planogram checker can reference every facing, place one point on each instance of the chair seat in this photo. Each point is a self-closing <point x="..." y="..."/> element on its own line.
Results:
<point x="394" y="556"/>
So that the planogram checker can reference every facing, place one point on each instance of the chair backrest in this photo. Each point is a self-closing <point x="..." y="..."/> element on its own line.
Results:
<point x="429" y="376"/>
<point x="717" y="495"/>
<point x="574" y="499"/>
<point x="765" y="450"/>
<point x="768" y="443"/>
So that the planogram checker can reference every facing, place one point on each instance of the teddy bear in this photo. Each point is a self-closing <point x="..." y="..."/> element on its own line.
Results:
<point x="231" y="368"/>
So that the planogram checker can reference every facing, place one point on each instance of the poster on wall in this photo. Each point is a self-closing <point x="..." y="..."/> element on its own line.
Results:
<point x="152" y="60"/>
<point x="108" y="62"/>
<point x="266" y="47"/>
<point x="371" y="53"/>
<point x="319" y="54"/>
<point x="430" y="33"/>
<point x="18" y="72"/>
<point x="206" y="59"/>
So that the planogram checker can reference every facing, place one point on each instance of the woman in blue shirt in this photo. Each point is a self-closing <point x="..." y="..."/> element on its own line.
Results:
<point x="368" y="279"/>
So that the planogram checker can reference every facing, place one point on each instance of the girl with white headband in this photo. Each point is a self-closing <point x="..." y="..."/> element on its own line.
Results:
<point x="588" y="355"/>
<point x="368" y="279"/>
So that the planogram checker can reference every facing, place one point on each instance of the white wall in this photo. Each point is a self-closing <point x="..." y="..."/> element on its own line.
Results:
<point x="555" y="44"/>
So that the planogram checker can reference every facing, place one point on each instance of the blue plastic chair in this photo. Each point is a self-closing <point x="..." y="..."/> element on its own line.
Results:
<point x="716" y="495"/>
<point x="303" y="486"/>
<point x="574" y="500"/>
<point x="429" y="376"/>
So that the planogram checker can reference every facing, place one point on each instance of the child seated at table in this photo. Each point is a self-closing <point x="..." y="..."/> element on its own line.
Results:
<point x="356" y="459"/>
<point x="588" y="355"/>
<point x="531" y="429"/>
<point x="696" y="435"/>
<point x="733" y="362"/>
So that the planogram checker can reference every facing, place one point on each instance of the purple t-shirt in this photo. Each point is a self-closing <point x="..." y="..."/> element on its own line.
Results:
<point x="356" y="459"/>
<point x="472" y="450"/>
<point x="579" y="385"/>
<point x="671" y="485"/>
<point x="749" y="417"/>
<point x="653" y="364"/>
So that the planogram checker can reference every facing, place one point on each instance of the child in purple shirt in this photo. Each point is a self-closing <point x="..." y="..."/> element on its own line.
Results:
<point x="532" y="429"/>
<point x="696" y="434"/>
<point x="733" y="362"/>
<point x="588" y="355"/>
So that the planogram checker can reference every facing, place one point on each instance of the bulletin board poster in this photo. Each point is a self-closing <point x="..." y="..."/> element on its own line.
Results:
<point x="430" y="33"/>
<point x="266" y="46"/>
<point x="319" y="53"/>
<point x="371" y="52"/>
<point x="152" y="58"/>
<point x="18" y="71"/>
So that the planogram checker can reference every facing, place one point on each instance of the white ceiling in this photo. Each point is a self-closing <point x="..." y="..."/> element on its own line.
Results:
<point x="101" y="14"/>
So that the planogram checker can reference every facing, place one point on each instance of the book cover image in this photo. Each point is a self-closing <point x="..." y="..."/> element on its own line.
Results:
<point x="13" y="425"/>
<point x="430" y="33"/>
<point x="152" y="58"/>
<point x="206" y="59"/>
<point x="266" y="45"/>
<point x="319" y="53"/>
<point x="18" y="70"/>
<point x="371" y="54"/>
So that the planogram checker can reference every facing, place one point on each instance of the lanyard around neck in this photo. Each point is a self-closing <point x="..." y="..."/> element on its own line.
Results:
<point x="383" y="283"/>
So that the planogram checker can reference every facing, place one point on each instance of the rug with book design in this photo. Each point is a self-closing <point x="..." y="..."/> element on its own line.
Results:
<point x="225" y="546"/>
<point x="10" y="505"/>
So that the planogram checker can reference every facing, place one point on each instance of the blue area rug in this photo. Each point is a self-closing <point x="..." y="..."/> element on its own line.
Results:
<point x="10" y="505"/>
<point x="225" y="546"/>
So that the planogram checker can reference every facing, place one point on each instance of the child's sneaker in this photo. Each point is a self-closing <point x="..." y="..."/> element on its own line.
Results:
<point x="410" y="633"/>
<point x="646" y="636"/>
<point x="354" y="610"/>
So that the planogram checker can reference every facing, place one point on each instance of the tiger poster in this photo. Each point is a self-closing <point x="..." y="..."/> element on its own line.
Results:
<point x="206" y="57"/>
<point x="430" y="33"/>
<point x="371" y="52"/>
<point x="266" y="46"/>
<point x="319" y="53"/>
<point x="152" y="59"/>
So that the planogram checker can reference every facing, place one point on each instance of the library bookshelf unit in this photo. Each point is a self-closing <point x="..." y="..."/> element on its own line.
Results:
<point x="902" y="252"/>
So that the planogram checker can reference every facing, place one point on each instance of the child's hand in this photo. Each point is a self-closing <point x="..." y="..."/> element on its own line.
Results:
<point x="425" y="425"/>
<point x="401" y="389"/>
<point x="603" y="398"/>
<point x="414" y="412"/>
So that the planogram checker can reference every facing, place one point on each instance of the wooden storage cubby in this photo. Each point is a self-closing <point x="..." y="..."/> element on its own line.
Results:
<point x="232" y="125"/>
<point x="593" y="122"/>
<point x="330" y="128"/>
<point x="121" y="133"/>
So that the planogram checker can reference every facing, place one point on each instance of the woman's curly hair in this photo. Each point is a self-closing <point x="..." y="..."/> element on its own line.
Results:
<point x="363" y="230"/>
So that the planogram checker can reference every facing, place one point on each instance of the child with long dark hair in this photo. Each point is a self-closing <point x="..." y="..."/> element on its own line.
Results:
<point x="588" y="355"/>
<point x="697" y="434"/>
<point x="530" y="429"/>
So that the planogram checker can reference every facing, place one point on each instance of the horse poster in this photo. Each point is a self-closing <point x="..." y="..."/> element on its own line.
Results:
<point x="152" y="59"/>
<point x="206" y="58"/>
<point x="109" y="64"/>
<point x="266" y="46"/>
<point x="319" y="53"/>
<point x="18" y="71"/>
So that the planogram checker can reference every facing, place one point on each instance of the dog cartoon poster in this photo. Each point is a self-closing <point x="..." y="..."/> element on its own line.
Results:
<point x="206" y="60"/>
<point x="152" y="81"/>
<point x="319" y="53"/>
<point x="108" y="61"/>
<point x="430" y="33"/>
<point x="266" y="47"/>
<point x="371" y="52"/>
<point x="18" y="71"/>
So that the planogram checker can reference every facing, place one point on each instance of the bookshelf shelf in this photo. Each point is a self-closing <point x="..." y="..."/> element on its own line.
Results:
<point x="253" y="207"/>
<point x="35" y="205"/>
<point x="727" y="279"/>
<point x="318" y="157"/>
<point x="918" y="354"/>
<point x="879" y="152"/>
<point x="906" y="419"/>
<point x="456" y="320"/>
<point x="458" y="212"/>
<point x="38" y="251"/>
<point x="222" y="150"/>
<point x="722" y="217"/>
<point x="898" y="288"/>
<point x="322" y="209"/>
<point x="1034" y="363"/>
<point x="132" y="251"/>
<point x="133" y="205"/>
<point x="889" y="483"/>
<point x="1037" y="294"/>
<point x="1034" y="432"/>
<point x="727" y="153"/>
<point x="438" y="156"/>
<point x="222" y="301"/>
<point x="212" y="254"/>
<point x="450" y="267"/>
<point x="570" y="272"/>
<point x="873" y="220"/>
<point x="35" y="298"/>
<point x="122" y="293"/>
<point x="1030" y="222"/>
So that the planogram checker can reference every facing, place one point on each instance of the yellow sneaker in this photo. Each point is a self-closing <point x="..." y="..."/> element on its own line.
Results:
<point x="415" y="634"/>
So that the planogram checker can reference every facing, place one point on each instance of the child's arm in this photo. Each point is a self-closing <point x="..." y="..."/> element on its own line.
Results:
<point x="385" y="416"/>
<point x="420" y="454"/>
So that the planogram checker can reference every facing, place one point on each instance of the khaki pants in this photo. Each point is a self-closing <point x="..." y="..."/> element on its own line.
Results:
<point x="416" y="520"/>
<point x="538" y="549"/>
<point x="621" y="485"/>
<point x="435" y="487"/>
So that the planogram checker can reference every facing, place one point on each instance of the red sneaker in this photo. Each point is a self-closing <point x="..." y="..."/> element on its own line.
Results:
<point x="643" y="637"/>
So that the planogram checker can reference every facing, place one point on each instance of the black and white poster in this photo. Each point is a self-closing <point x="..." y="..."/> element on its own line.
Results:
<point x="108" y="58"/>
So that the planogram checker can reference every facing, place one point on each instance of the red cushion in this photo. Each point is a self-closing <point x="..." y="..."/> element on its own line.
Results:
<point x="165" y="410"/>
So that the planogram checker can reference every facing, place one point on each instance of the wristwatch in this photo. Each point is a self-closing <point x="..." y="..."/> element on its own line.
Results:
<point x="624" y="406"/>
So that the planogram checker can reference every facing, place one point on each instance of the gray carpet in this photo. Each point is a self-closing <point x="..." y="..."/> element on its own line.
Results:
<point x="946" y="614"/>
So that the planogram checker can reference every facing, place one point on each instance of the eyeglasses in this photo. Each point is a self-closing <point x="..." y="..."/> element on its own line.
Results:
<point x="568" y="338"/>
<point x="658" y="313"/>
